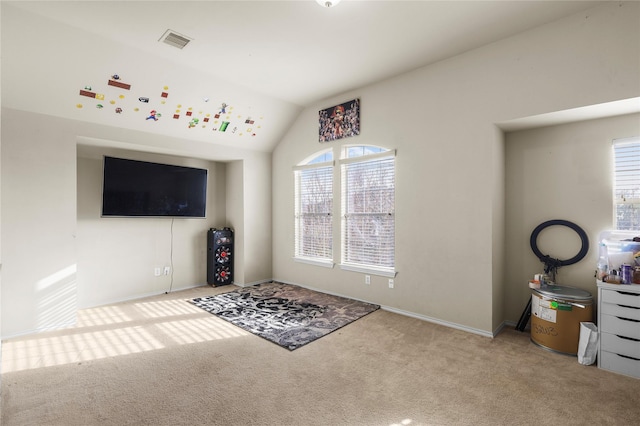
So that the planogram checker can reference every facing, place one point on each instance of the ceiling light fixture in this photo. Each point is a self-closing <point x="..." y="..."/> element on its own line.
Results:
<point x="327" y="3"/>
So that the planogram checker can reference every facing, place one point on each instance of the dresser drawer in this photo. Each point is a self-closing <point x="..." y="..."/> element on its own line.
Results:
<point x="621" y="297"/>
<point x="620" y="326"/>
<point x="622" y="311"/>
<point x="620" y="345"/>
<point x="620" y="364"/>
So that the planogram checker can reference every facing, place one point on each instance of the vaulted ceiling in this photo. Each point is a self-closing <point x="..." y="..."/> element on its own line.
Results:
<point x="250" y="64"/>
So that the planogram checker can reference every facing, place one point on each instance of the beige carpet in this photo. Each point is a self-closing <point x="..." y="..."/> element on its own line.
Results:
<point x="163" y="361"/>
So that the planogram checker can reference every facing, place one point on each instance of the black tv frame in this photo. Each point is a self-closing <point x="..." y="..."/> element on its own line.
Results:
<point x="135" y="188"/>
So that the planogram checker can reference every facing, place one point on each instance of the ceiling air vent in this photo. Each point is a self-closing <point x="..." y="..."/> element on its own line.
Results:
<point x="174" y="39"/>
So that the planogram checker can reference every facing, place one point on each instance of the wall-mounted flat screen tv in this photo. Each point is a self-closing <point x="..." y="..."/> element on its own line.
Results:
<point x="144" y="189"/>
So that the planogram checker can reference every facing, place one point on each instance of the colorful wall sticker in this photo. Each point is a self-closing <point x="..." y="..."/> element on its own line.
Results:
<point x="153" y="115"/>
<point x="164" y="95"/>
<point x="196" y="118"/>
<point x="87" y="93"/>
<point x="115" y="82"/>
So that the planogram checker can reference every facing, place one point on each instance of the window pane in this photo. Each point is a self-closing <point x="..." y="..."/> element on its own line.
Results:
<point x="370" y="240"/>
<point x="370" y="186"/>
<point x="362" y="150"/>
<point x="316" y="190"/>
<point x="314" y="204"/>
<point x="627" y="184"/>
<point x="316" y="237"/>
<point x="322" y="158"/>
<point x="628" y="217"/>
<point x="368" y="191"/>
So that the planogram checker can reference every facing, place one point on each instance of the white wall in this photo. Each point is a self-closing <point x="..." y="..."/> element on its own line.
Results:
<point x="498" y="229"/>
<point x="236" y="214"/>
<point x="559" y="172"/>
<point x="0" y="238"/>
<point x="257" y="220"/>
<point x="249" y="209"/>
<point x="45" y="276"/>
<point x="38" y="225"/>
<point x="450" y="168"/>
<point x="117" y="256"/>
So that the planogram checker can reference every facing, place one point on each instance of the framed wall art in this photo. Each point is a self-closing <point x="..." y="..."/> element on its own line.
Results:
<point x="340" y="121"/>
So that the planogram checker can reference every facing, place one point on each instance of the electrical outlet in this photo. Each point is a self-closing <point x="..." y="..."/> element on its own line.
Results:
<point x="390" y="283"/>
<point x="367" y="279"/>
<point x="167" y="270"/>
<point x="157" y="272"/>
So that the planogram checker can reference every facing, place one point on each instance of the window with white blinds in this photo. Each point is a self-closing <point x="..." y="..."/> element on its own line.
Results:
<point x="313" y="210"/>
<point x="368" y="209"/>
<point x="626" y="196"/>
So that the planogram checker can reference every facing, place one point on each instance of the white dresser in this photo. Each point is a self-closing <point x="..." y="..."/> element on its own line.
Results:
<point x="619" y="326"/>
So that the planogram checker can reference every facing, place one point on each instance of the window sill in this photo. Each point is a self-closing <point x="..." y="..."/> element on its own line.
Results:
<point x="369" y="270"/>
<point x="315" y="262"/>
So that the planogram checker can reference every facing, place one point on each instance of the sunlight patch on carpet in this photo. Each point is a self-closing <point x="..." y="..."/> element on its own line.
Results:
<point x="111" y="331"/>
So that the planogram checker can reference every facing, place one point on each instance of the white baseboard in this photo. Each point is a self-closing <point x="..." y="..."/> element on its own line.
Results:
<point x="410" y="314"/>
<point x="37" y="330"/>
<point x="438" y="321"/>
<point x="141" y="296"/>
<point x="254" y="283"/>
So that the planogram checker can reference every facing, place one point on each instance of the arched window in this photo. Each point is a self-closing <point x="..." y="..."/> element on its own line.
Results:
<point x="367" y="200"/>
<point x="313" y="209"/>
<point x="368" y="209"/>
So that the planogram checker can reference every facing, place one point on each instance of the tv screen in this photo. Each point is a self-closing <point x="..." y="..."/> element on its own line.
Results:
<point x="141" y="188"/>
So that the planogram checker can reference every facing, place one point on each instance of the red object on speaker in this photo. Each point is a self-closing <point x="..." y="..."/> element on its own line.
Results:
<point x="223" y="254"/>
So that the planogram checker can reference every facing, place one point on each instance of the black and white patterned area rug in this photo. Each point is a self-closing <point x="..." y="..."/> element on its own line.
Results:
<point x="288" y="315"/>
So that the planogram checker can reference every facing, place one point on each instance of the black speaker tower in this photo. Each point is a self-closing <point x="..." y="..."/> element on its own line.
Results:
<point x="219" y="256"/>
